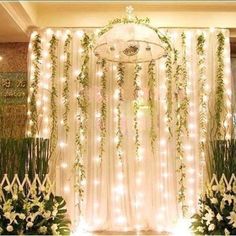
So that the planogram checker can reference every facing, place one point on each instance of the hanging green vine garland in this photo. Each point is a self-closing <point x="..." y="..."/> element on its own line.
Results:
<point x="169" y="99"/>
<point x="82" y="99"/>
<point x="53" y="105"/>
<point x="103" y="110"/>
<point x="119" y="134"/>
<point x="219" y="94"/>
<point x="151" y="102"/>
<point x="202" y="90"/>
<point x="136" y="108"/>
<point x="180" y="168"/>
<point x="36" y="49"/>
<point x="66" y="76"/>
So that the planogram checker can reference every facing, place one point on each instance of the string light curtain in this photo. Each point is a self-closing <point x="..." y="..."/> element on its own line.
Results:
<point x="139" y="127"/>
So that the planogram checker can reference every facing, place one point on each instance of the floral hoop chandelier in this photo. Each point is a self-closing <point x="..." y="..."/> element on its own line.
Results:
<point x="129" y="40"/>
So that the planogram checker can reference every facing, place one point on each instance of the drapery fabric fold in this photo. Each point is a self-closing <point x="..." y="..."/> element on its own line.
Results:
<point x="129" y="195"/>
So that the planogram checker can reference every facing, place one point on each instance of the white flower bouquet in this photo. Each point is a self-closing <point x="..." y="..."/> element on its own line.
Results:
<point x="36" y="213"/>
<point x="217" y="211"/>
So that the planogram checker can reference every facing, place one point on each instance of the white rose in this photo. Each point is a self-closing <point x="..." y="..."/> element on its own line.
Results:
<point x="219" y="217"/>
<point x="211" y="227"/>
<point x="22" y="216"/>
<point x="29" y="224"/>
<point x="9" y="228"/>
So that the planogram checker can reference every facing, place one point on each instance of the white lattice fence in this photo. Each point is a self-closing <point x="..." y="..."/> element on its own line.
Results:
<point x="26" y="186"/>
<point x="229" y="184"/>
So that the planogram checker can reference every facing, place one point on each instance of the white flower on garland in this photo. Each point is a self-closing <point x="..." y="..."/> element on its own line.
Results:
<point x="232" y="218"/>
<point x="200" y="229"/>
<point x="211" y="227"/>
<point x="9" y="228"/>
<point x="219" y="217"/>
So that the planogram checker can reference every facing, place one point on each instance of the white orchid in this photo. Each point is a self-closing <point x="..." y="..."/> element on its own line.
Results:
<point x="232" y="218"/>
<point x="211" y="227"/>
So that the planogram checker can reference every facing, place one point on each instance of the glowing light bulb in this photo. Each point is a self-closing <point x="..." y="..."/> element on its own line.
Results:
<point x="99" y="73"/>
<point x="66" y="189"/>
<point x="80" y="33"/>
<point x="62" y="144"/>
<point x="64" y="165"/>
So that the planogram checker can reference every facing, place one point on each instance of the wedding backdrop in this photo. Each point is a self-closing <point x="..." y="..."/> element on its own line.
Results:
<point x="128" y="138"/>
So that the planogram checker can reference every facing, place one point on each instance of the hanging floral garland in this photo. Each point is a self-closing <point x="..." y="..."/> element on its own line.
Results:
<point x="202" y="93"/>
<point x="66" y="76"/>
<point x="36" y="52"/>
<point x="169" y="98"/>
<point x="53" y="105"/>
<point x="136" y="108"/>
<point x="151" y="102"/>
<point x="219" y="94"/>
<point x="119" y="134"/>
<point x="82" y="99"/>
<point x="182" y="103"/>
<point x="103" y="110"/>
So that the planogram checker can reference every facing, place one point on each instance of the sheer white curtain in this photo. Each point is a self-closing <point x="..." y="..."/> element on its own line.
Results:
<point x="137" y="195"/>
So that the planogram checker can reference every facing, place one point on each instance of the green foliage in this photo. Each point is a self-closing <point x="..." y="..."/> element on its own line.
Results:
<point x="24" y="156"/>
<point x="103" y="109"/>
<point x="217" y="213"/>
<point x="83" y="102"/>
<point x="220" y="90"/>
<point x="36" y="52"/>
<point x="40" y="213"/>
<point x="66" y="75"/>
<point x="136" y="108"/>
<point x="221" y="158"/>
<point x="119" y="133"/>
<point x="53" y="104"/>
<point x="151" y="102"/>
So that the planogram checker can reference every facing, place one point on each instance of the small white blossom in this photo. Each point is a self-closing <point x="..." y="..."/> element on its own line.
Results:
<point x="227" y="232"/>
<point x="208" y="217"/>
<point x="200" y="229"/>
<point x="54" y="228"/>
<point x="211" y="227"/>
<point x="9" y="228"/>
<point x="214" y="200"/>
<point x="227" y="198"/>
<point x="42" y="230"/>
<point x="22" y="216"/>
<point x="14" y="197"/>
<point x="232" y="218"/>
<point x="219" y="217"/>
<point x="54" y="213"/>
<point x="29" y="224"/>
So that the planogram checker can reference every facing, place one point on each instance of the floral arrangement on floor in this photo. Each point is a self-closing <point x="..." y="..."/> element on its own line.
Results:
<point x="217" y="211"/>
<point x="32" y="210"/>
